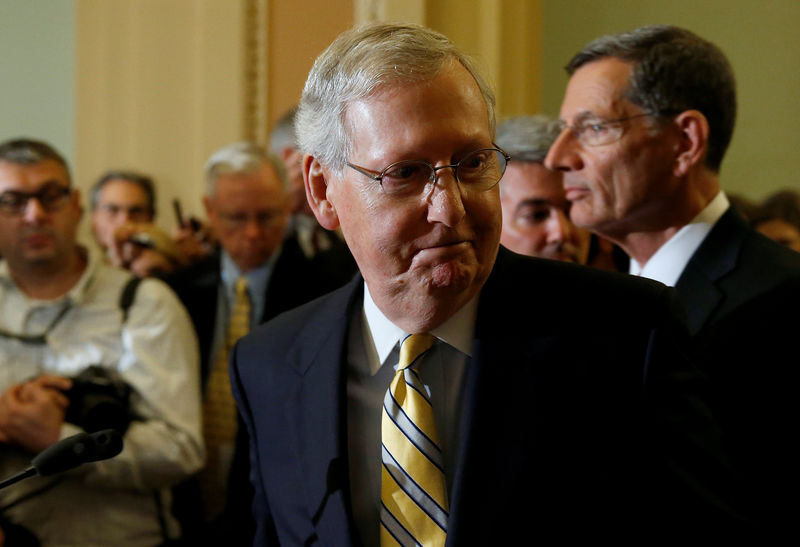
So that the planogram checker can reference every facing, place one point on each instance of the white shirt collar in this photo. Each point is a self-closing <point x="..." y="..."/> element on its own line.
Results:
<point x="78" y="290"/>
<point x="669" y="261"/>
<point x="456" y="331"/>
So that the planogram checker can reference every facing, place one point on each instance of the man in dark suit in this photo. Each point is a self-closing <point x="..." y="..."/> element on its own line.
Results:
<point x="648" y="116"/>
<point x="571" y="421"/>
<point x="245" y="202"/>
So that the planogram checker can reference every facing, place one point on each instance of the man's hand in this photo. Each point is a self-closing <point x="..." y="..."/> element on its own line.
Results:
<point x="194" y="240"/>
<point x="144" y="249"/>
<point x="31" y="414"/>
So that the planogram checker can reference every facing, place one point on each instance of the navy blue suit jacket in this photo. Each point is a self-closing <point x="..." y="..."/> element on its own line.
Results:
<point x="741" y="292"/>
<point x="580" y="420"/>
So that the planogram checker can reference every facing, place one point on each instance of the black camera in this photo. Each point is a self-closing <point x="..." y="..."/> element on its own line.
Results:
<point x="99" y="399"/>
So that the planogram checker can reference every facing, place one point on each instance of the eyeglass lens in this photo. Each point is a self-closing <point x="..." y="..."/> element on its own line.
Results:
<point x="50" y="197"/>
<point x="480" y="170"/>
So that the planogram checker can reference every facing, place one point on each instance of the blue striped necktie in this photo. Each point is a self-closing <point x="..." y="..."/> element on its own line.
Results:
<point x="414" y="505"/>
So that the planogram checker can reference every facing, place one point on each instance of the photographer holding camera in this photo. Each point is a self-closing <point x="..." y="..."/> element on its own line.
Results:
<point x="82" y="347"/>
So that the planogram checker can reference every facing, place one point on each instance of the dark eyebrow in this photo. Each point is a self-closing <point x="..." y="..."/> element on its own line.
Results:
<point x="45" y="185"/>
<point x="533" y="202"/>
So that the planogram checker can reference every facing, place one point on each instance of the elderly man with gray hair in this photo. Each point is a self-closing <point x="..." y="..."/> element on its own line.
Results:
<point x="257" y="274"/>
<point x="410" y="407"/>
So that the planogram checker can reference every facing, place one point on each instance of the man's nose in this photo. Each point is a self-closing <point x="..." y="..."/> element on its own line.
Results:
<point x="33" y="210"/>
<point x="445" y="202"/>
<point x="563" y="155"/>
<point x="558" y="227"/>
<point x="253" y="227"/>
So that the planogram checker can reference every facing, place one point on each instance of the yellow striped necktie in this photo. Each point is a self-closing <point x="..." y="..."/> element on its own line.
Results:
<point x="219" y="410"/>
<point x="414" y="506"/>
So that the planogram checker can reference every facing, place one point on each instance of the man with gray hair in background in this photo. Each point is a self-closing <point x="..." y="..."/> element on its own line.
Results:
<point x="312" y="237"/>
<point x="492" y="430"/>
<point x="647" y="118"/>
<point x="257" y="274"/>
<point x="535" y="208"/>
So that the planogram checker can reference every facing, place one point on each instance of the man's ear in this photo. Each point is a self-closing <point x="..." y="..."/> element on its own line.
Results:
<point x="76" y="201"/>
<point x="315" y="178"/>
<point x="209" y="208"/>
<point x="692" y="145"/>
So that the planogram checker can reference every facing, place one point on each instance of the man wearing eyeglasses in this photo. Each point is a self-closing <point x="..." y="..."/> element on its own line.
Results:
<point x="248" y="212"/>
<point x="61" y="314"/>
<point x="647" y="118"/>
<point x="411" y="406"/>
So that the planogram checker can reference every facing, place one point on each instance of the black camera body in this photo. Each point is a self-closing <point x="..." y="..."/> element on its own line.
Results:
<point x="99" y="399"/>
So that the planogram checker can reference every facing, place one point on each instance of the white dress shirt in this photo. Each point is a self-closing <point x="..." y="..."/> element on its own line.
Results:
<point x="112" y="502"/>
<point x="372" y="358"/>
<point x="669" y="261"/>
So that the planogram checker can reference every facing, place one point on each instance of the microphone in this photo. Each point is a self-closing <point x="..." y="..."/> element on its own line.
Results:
<point x="71" y="452"/>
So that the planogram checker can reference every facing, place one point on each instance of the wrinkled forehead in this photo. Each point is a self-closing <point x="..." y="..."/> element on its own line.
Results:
<point x="30" y="177"/>
<point x="122" y="190"/>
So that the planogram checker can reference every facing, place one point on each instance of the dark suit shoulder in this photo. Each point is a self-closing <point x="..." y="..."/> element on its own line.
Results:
<point x="302" y="329"/>
<point x="204" y="272"/>
<point x="733" y="266"/>
<point x="571" y="294"/>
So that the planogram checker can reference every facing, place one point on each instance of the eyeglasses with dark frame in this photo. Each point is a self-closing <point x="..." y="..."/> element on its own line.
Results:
<point x="51" y="197"/>
<point x="480" y="170"/>
<point x="599" y="132"/>
<point x="263" y="219"/>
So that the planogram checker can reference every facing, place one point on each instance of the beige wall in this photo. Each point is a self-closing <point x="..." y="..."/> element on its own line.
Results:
<point x="298" y="32"/>
<point x="504" y="37"/>
<point x="159" y="87"/>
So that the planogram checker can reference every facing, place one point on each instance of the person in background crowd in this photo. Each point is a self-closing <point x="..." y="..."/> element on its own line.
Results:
<point x="535" y="208"/>
<point x="84" y="346"/>
<point x="778" y="218"/>
<point x="312" y="237"/>
<point x="257" y="274"/>
<point x="123" y="208"/>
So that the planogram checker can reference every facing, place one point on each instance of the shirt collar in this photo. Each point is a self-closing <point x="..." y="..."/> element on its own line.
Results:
<point x="257" y="278"/>
<point x="669" y="261"/>
<point x="457" y="331"/>
<point x="78" y="291"/>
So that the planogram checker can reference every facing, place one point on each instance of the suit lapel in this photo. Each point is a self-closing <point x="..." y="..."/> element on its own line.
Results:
<point x="494" y="368"/>
<point x="716" y="257"/>
<point x="316" y="414"/>
<point x="283" y="292"/>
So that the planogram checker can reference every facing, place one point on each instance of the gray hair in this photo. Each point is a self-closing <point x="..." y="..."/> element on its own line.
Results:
<point x="527" y="138"/>
<point x="240" y="157"/>
<point x="24" y="151"/>
<point x="674" y="70"/>
<point x="142" y="181"/>
<point x="282" y="134"/>
<point x="357" y="64"/>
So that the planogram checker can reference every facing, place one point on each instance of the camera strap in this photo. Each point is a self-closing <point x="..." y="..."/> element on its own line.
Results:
<point x="127" y="296"/>
<point x="126" y="299"/>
